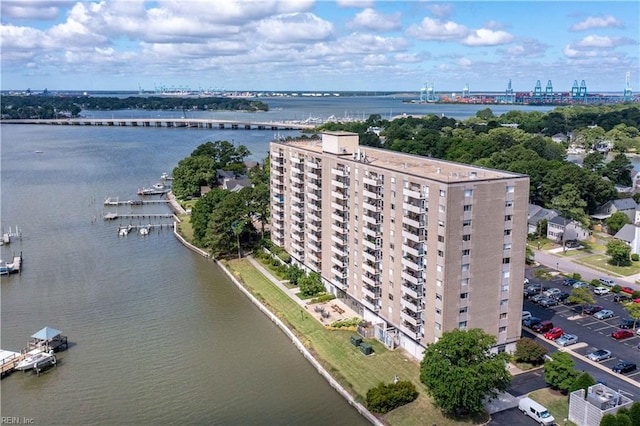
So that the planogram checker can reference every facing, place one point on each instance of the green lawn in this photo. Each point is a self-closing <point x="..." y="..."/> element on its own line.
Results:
<point x="556" y="403"/>
<point x="333" y="349"/>
<point x="599" y="262"/>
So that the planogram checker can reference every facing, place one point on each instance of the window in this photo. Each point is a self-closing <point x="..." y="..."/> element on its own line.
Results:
<point x="441" y="208"/>
<point x="465" y="267"/>
<point x="464" y="310"/>
<point x="438" y="283"/>
<point x="505" y="287"/>
<point x="441" y="238"/>
<point x="438" y="297"/>
<point x="466" y="237"/>
<point x="504" y="302"/>
<point x="438" y="311"/>
<point x="507" y="232"/>
<point x="441" y="223"/>
<point x="466" y="252"/>
<point x="439" y="268"/>
<point x="462" y="325"/>
<point x="464" y="281"/>
<point x="467" y="207"/>
<point x="502" y="329"/>
<point x="390" y="296"/>
<point x="393" y="206"/>
<point x="506" y="246"/>
<point x="507" y="217"/>
<point x="506" y="260"/>
<point x="442" y="192"/>
<point x="510" y="189"/>
<point x="464" y="295"/>
<point x="393" y="194"/>
<point x="437" y="326"/>
<point x="466" y="222"/>
<point x="393" y="180"/>
<point x="508" y="204"/>
<point x="506" y="274"/>
<point x="440" y="253"/>
<point x="468" y="192"/>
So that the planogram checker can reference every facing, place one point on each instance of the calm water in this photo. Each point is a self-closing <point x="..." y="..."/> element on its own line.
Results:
<point x="158" y="334"/>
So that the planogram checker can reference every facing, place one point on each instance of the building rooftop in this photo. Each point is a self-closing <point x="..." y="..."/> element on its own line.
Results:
<point x="425" y="167"/>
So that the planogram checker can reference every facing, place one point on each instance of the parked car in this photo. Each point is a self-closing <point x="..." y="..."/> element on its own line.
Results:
<point x="624" y="367"/>
<point x="531" y="322"/>
<point x="526" y="281"/>
<point x="536" y="298"/>
<point x="526" y="315"/>
<point x="543" y="326"/>
<point x="599" y="355"/>
<point x="591" y="309"/>
<point x="572" y="243"/>
<point x="561" y="297"/>
<point x="580" y="284"/>
<point x="604" y="314"/>
<point x="569" y="281"/>
<point x="528" y="292"/>
<point x="567" y="339"/>
<point x="622" y="334"/>
<point x="547" y="302"/>
<point x="607" y="281"/>
<point x="627" y="324"/>
<point x="622" y="298"/>
<point x="551" y="292"/>
<point x="627" y="290"/>
<point x="554" y="333"/>
<point x="601" y="291"/>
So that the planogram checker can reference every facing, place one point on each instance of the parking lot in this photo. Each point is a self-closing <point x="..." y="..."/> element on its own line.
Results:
<point x="593" y="333"/>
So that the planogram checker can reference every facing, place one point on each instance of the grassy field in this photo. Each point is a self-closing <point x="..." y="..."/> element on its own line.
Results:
<point x="599" y="262"/>
<point x="556" y="403"/>
<point x="333" y="349"/>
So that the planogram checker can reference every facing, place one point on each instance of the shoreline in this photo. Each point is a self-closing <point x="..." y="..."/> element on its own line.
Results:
<point x="286" y="330"/>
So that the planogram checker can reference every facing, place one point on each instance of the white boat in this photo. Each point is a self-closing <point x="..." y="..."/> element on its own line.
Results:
<point x="37" y="361"/>
<point x="144" y="231"/>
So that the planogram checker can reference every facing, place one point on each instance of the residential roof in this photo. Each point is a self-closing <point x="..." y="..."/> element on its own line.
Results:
<point x="625" y="204"/>
<point x="627" y="233"/>
<point x="46" y="333"/>
<point x="236" y="185"/>
<point x="537" y="213"/>
<point x="558" y="220"/>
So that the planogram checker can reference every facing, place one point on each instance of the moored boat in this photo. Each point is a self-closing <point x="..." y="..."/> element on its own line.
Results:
<point x="37" y="361"/>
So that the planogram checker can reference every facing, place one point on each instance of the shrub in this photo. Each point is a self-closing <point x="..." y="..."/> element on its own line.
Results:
<point x="616" y="288"/>
<point x="351" y="322"/>
<point x="595" y="283"/>
<point x="635" y="257"/>
<point x="636" y="294"/>
<point x="576" y="276"/>
<point x="528" y="350"/>
<point x="285" y="257"/>
<point x="322" y="298"/>
<point x="384" y="398"/>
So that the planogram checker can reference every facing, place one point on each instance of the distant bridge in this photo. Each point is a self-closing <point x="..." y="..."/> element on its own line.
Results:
<point x="189" y="123"/>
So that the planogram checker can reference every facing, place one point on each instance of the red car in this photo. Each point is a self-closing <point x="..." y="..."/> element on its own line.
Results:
<point x="627" y="290"/>
<point x="554" y="333"/>
<point x="622" y="334"/>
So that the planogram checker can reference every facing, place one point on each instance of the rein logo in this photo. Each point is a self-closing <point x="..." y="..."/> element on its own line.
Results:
<point x="7" y="420"/>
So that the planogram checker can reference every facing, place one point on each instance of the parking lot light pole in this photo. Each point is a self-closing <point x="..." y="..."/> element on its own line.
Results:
<point x="558" y="266"/>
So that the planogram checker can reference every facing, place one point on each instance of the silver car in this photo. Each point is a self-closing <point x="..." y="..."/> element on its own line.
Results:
<point x="599" y="355"/>
<point x="604" y="314"/>
<point x="567" y="339"/>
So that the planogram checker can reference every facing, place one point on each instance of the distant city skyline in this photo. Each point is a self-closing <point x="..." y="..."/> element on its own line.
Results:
<point x="318" y="46"/>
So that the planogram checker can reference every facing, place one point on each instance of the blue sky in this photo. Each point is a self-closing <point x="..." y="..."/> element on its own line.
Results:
<point x="306" y="45"/>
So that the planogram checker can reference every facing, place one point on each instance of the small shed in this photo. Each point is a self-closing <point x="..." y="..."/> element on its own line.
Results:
<point x="366" y="349"/>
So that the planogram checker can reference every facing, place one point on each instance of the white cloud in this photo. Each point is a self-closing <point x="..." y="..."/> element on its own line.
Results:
<point x="440" y="10"/>
<point x="487" y="37"/>
<point x="570" y="52"/>
<point x="371" y="20"/>
<point x="464" y="62"/>
<point x="433" y="29"/>
<point x="595" y="41"/>
<point x="597" y="22"/>
<point x="355" y="3"/>
<point x="32" y="9"/>
<point x="294" y="28"/>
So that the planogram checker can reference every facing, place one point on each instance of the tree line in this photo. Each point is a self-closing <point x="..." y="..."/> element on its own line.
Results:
<point x="49" y="107"/>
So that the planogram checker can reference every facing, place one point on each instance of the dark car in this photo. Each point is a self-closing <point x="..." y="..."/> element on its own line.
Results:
<point x="627" y="324"/>
<point x="624" y="367"/>
<point x="592" y="309"/>
<point x="528" y="292"/>
<point x="569" y="281"/>
<point x="532" y="321"/>
<point x="536" y="298"/>
<point x="622" y="298"/>
<point x="548" y="302"/>
<point x="561" y="297"/>
<point x="543" y="326"/>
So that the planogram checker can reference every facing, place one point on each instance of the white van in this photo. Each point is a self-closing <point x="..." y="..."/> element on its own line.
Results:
<point x="536" y="411"/>
<point x="607" y="282"/>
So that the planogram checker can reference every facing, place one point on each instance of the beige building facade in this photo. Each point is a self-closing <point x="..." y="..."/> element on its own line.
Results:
<point x="417" y="246"/>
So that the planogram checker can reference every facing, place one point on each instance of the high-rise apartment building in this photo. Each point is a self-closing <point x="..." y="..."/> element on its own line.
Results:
<point x="417" y="246"/>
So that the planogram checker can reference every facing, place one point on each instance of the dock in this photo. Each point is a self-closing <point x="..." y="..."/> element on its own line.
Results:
<point x="11" y="268"/>
<point x="113" y="216"/>
<point x="117" y="202"/>
<point x="9" y="360"/>
<point x="46" y="340"/>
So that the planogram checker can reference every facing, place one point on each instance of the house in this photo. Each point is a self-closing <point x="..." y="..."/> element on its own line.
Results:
<point x="559" y="138"/>
<point x="559" y="228"/>
<point x="635" y="179"/>
<point x="235" y="185"/>
<point x="625" y="205"/>
<point x="588" y="410"/>
<point x="630" y="234"/>
<point x="537" y="213"/>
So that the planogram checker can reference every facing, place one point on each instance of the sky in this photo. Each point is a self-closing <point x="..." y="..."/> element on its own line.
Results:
<point x="307" y="45"/>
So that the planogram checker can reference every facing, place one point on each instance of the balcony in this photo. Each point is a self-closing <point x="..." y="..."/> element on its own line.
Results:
<point x="415" y="222"/>
<point x="297" y="178"/>
<point x="339" y="217"/>
<point x="411" y="304"/>
<point x="314" y="195"/>
<point x="339" y="228"/>
<point x="339" y="172"/>
<point x="313" y="185"/>
<point x="297" y="247"/>
<point x="315" y="226"/>
<point x="340" y="251"/>
<point x="340" y="262"/>
<point x="415" y="278"/>
<point x="372" y="293"/>
<point x="412" y="263"/>
<point x="339" y="282"/>
<point x="340" y="206"/>
<point x="371" y="256"/>
<point x="297" y="208"/>
<point x="339" y="195"/>
<point x="297" y="218"/>
<point x="297" y="188"/>
<point x="371" y="280"/>
<point x="372" y="195"/>
<point x="369" y="232"/>
<point x="412" y="237"/>
<point x="277" y="171"/>
<point x="315" y="246"/>
<point x="415" y="208"/>
<point x="314" y="237"/>
<point x="407" y="318"/>
<point x="339" y="272"/>
<point x="373" y="219"/>
<point x="413" y="192"/>
<point x="411" y="331"/>
<point x="372" y="244"/>
<point x="371" y="205"/>
<point x="336" y="183"/>
<point x="313" y="165"/>
<point x="413" y="249"/>
<point x="371" y="304"/>
<point x="414" y="291"/>
<point x="314" y="206"/>
<point x="277" y="208"/>
<point x="298" y="236"/>
<point x="296" y="160"/>
<point x="340" y="240"/>
<point x="314" y="257"/>
<point x="371" y="268"/>
<point x="371" y="181"/>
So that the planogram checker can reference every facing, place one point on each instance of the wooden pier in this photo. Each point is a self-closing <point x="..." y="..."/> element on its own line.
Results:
<point x="113" y="216"/>
<point x="9" y="360"/>
<point x="116" y="202"/>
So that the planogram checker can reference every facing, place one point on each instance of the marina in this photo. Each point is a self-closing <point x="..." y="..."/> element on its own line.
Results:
<point x="117" y="202"/>
<point x="38" y="355"/>
<point x="114" y="215"/>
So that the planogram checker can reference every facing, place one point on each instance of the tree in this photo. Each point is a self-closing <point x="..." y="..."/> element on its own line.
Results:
<point x="581" y="296"/>
<point x="460" y="372"/>
<point x="294" y="273"/>
<point x="594" y="161"/>
<point x="633" y="309"/>
<point x="583" y="381"/>
<point x="528" y="350"/>
<point x="559" y="371"/>
<point x="311" y="284"/>
<point x="616" y="221"/>
<point x="571" y="205"/>
<point x="619" y="169"/>
<point x="190" y="174"/>
<point x="620" y="253"/>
